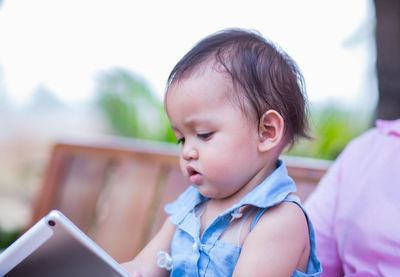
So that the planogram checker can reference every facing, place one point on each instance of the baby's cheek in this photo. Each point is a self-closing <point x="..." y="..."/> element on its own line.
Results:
<point x="219" y="168"/>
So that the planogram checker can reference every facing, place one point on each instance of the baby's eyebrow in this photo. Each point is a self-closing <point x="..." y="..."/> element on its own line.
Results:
<point x="190" y="121"/>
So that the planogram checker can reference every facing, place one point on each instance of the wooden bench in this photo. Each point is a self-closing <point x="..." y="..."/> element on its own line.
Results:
<point x="115" y="189"/>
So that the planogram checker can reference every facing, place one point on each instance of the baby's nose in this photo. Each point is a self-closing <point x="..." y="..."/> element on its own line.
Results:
<point x="189" y="152"/>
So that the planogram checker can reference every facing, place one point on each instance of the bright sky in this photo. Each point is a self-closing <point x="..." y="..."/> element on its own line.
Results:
<point x="64" y="44"/>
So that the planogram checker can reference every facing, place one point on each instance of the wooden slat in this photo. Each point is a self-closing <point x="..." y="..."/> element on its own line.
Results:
<point x="174" y="184"/>
<point x="78" y="193"/>
<point x="54" y="173"/>
<point x="122" y="215"/>
<point x="164" y="153"/>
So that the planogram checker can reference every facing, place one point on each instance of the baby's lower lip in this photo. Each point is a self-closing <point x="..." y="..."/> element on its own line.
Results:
<point x="196" y="178"/>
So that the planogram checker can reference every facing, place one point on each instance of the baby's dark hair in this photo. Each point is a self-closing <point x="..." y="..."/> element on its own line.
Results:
<point x="265" y="75"/>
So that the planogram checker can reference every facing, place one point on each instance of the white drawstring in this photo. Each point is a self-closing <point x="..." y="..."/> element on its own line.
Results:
<point x="164" y="260"/>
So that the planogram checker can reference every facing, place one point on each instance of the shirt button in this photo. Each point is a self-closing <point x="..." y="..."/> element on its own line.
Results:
<point x="236" y="213"/>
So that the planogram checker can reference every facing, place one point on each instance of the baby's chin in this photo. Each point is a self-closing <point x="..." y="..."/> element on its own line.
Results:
<point x="210" y="191"/>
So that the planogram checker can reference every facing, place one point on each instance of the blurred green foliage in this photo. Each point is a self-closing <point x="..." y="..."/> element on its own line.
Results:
<point x="131" y="109"/>
<point x="332" y="127"/>
<point x="8" y="237"/>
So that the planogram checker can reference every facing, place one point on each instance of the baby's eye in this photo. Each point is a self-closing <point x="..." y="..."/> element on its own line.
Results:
<point x="181" y="141"/>
<point x="205" y="135"/>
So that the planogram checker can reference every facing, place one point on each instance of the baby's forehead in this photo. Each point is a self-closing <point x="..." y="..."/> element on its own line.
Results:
<point x="232" y="94"/>
<point x="201" y="79"/>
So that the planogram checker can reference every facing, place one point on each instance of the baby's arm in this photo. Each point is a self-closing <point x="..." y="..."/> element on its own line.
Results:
<point x="277" y="245"/>
<point x="146" y="261"/>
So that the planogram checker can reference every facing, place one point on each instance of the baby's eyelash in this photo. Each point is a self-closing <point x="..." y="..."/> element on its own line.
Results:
<point x="181" y="141"/>
<point x="204" y="136"/>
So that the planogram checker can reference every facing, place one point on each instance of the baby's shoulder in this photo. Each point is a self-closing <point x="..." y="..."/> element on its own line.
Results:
<point x="278" y="243"/>
<point x="283" y="219"/>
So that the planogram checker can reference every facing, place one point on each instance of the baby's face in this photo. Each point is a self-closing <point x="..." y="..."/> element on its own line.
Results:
<point x="219" y="143"/>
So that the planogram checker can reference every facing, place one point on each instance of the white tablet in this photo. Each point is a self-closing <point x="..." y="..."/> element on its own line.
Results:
<point x="56" y="247"/>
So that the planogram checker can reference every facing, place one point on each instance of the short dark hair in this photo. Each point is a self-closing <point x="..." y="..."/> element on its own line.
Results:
<point x="267" y="76"/>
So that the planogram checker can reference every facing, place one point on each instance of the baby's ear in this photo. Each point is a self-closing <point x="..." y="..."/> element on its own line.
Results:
<point x="271" y="130"/>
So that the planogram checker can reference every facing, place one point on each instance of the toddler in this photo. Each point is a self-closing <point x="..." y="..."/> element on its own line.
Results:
<point x="235" y="101"/>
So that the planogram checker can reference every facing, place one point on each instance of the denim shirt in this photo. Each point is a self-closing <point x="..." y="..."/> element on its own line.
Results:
<point x="208" y="256"/>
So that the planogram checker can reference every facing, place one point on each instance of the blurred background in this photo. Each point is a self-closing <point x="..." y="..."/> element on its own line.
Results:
<point x="87" y="68"/>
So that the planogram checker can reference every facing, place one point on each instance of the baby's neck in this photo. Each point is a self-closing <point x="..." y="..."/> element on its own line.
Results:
<point x="263" y="172"/>
<point x="216" y="206"/>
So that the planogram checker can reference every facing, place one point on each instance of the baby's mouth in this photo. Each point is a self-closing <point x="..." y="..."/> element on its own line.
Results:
<point x="194" y="176"/>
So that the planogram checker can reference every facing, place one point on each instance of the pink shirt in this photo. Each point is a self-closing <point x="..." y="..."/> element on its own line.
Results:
<point x="356" y="208"/>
